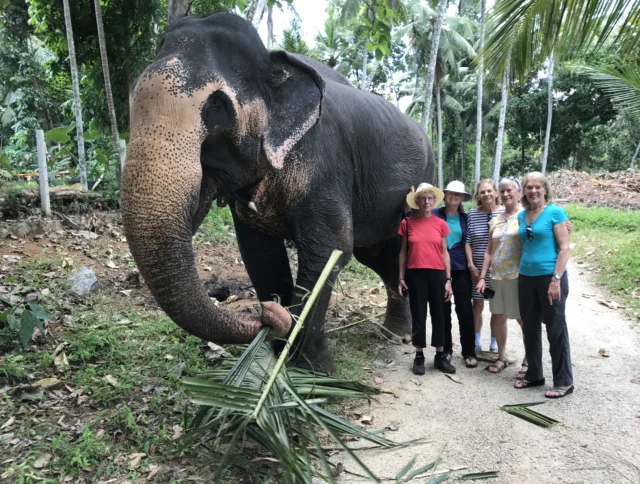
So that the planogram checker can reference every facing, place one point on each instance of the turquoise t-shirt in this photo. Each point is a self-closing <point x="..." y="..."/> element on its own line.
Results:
<point x="539" y="255"/>
<point x="453" y="221"/>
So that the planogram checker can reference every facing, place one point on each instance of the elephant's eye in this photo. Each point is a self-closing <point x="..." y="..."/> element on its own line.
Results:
<point x="216" y="112"/>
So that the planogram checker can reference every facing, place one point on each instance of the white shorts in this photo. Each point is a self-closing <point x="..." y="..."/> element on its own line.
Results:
<point x="505" y="300"/>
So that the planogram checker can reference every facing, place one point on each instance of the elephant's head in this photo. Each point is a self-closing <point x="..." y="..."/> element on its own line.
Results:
<point x="212" y="115"/>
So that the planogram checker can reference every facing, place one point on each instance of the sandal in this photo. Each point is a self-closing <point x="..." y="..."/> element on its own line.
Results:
<point x="523" y="371"/>
<point x="470" y="362"/>
<point x="496" y="368"/>
<point x="520" y="384"/>
<point x="559" y="392"/>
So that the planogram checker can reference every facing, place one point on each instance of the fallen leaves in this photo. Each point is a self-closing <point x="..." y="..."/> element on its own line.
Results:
<point x="42" y="461"/>
<point x="111" y="380"/>
<point x="604" y="352"/>
<point x="453" y="377"/>
<point x="610" y="304"/>
<point x="49" y="383"/>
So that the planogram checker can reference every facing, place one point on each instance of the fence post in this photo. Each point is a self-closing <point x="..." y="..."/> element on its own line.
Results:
<point x="123" y="153"/>
<point x="42" y="169"/>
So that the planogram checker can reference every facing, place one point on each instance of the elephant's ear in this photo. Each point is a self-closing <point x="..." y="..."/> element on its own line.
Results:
<point x="295" y="105"/>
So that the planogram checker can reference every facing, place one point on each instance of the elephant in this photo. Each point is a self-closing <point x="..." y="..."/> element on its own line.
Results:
<point x="297" y="152"/>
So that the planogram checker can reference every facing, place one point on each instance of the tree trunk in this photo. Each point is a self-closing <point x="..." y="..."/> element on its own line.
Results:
<point x="497" y="161"/>
<point x="256" y="9"/>
<point x="476" y="172"/>
<point x="363" y="75"/>
<point x="374" y="68"/>
<point x="635" y="155"/>
<point x="176" y="9"/>
<point x="269" y="28"/>
<point x="431" y="70"/>
<point x="82" y="163"/>
<point x="547" y="135"/>
<point x="107" y="85"/>
<point x="463" y="171"/>
<point x="439" y="118"/>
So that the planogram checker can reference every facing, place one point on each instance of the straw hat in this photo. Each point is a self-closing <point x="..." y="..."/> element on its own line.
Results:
<point x="422" y="188"/>
<point x="458" y="187"/>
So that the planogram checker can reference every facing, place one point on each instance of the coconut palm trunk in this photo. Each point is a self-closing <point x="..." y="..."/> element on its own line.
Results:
<point x="363" y="75"/>
<point x="635" y="155"/>
<point x="439" y="118"/>
<point x="476" y="176"/>
<point x="547" y="136"/>
<point x="269" y="28"/>
<point x="497" y="161"/>
<point x="176" y="9"/>
<point x="77" y="106"/>
<point x="107" y="85"/>
<point x="254" y="15"/>
<point x="431" y="70"/>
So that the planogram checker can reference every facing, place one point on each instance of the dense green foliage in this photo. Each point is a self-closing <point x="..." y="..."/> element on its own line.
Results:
<point x="382" y="46"/>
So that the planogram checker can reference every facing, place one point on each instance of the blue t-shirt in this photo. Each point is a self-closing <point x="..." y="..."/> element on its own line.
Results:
<point x="539" y="255"/>
<point x="453" y="221"/>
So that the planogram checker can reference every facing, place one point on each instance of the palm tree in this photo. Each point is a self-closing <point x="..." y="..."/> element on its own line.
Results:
<point x="547" y="136"/>
<point x="331" y="44"/>
<point x="476" y="176"/>
<point x="536" y="29"/>
<point x="107" y="85"/>
<point x="497" y="161"/>
<point x="82" y="163"/>
<point x="176" y="9"/>
<point x="431" y="69"/>
<point x="622" y="85"/>
<point x="256" y="9"/>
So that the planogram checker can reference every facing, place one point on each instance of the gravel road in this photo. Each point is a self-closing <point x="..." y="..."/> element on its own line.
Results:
<point x="598" y="440"/>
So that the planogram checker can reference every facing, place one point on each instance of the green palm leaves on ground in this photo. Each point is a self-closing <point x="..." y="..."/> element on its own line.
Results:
<point x="523" y="411"/>
<point x="536" y="29"/>
<point x="257" y="399"/>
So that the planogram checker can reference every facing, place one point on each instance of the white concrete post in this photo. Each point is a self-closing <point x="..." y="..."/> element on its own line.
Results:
<point x="42" y="169"/>
<point x="123" y="153"/>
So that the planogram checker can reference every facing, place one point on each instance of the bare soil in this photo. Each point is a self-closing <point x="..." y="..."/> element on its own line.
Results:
<point x="597" y="439"/>
<point x="618" y="189"/>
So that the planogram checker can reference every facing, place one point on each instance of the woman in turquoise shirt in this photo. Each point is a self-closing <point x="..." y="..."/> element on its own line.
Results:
<point x="543" y="285"/>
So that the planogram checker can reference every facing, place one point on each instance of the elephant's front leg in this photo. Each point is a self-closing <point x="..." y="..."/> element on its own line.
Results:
<point x="312" y="350"/>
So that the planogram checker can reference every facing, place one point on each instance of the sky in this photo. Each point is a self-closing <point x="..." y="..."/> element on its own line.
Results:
<point x="312" y="14"/>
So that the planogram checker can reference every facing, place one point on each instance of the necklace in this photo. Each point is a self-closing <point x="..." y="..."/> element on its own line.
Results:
<point x="532" y="216"/>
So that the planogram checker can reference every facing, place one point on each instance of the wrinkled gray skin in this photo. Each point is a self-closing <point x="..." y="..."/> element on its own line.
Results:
<point x="298" y="154"/>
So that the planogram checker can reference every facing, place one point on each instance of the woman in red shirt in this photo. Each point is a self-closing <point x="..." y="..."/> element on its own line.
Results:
<point x="425" y="271"/>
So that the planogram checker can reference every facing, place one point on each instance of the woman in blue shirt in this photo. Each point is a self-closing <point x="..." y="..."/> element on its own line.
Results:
<point x="543" y="285"/>
<point x="453" y="213"/>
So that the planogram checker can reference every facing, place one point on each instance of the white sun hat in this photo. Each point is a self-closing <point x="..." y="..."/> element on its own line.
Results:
<point x="458" y="187"/>
<point x="422" y="188"/>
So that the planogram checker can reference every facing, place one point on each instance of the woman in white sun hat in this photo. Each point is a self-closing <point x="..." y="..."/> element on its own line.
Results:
<point x="426" y="273"/>
<point x="454" y="215"/>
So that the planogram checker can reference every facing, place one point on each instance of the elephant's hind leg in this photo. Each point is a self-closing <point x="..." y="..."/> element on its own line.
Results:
<point x="383" y="259"/>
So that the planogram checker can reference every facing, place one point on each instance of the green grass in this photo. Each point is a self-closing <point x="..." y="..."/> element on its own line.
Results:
<point x="216" y="225"/>
<point x="606" y="219"/>
<point x="135" y="411"/>
<point x="609" y="240"/>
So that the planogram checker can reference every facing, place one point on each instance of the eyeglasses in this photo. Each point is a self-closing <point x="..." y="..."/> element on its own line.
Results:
<point x="529" y="233"/>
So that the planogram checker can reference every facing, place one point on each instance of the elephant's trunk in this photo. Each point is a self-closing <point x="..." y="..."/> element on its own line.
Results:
<point x="160" y="192"/>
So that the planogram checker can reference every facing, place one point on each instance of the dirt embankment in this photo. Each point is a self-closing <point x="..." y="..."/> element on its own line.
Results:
<point x="618" y="189"/>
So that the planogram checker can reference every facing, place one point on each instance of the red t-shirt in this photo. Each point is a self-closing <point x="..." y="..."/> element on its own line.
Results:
<point x="424" y="241"/>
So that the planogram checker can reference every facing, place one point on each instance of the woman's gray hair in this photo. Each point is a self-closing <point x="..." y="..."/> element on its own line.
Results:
<point x="510" y="180"/>
<point x="539" y="177"/>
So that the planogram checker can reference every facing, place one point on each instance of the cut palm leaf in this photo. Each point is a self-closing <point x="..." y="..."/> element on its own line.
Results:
<point x="524" y="412"/>
<point x="479" y="475"/>
<point x="258" y="398"/>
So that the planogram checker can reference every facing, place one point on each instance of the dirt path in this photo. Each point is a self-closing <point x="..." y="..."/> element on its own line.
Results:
<point x="599" y="436"/>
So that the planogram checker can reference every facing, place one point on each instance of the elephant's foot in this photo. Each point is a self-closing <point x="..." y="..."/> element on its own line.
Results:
<point x="397" y="321"/>
<point x="315" y="357"/>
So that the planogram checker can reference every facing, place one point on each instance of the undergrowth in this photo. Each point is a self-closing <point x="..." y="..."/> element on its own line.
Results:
<point x="608" y="240"/>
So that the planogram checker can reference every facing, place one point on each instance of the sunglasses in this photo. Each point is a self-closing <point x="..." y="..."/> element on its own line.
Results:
<point x="529" y="233"/>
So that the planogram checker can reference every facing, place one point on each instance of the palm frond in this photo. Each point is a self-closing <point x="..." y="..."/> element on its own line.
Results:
<point x="537" y="29"/>
<point x="621" y="84"/>
<point x="257" y="397"/>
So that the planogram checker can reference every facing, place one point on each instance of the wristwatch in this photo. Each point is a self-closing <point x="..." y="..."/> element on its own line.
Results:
<point x="448" y="279"/>
<point x="558" y="276"/>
